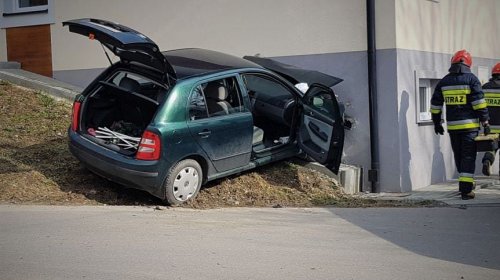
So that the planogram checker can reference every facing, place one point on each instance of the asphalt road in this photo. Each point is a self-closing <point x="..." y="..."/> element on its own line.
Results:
<point x="41" y="242"/>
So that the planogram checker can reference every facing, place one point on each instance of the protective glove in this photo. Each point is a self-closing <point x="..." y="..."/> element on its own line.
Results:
<point x="438" y="129"/>
<point x="486" y="129"/>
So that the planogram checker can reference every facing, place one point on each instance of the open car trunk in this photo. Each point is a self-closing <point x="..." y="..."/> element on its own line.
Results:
<point x="118" y="111"/>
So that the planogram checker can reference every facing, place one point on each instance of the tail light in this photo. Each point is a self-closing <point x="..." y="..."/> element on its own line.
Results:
<point x="75" y="115"/>
<point x="149" y="147"/>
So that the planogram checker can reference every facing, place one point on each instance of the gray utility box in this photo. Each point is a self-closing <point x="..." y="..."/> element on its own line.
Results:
<point x="350" y="177"/>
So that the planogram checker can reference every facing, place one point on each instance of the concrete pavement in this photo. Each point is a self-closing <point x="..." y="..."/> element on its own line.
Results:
<point x="42" y="242"/>
<point x="487" y="193"/>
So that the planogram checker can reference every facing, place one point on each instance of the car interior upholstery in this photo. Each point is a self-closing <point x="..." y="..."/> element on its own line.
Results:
<point x="272" y="108"/>
<point x="216" y="95"/>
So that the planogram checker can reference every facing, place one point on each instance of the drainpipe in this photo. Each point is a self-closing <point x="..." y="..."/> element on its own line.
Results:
<point x="372" y="96"/>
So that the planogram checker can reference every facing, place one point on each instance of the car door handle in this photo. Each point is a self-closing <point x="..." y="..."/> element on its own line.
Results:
<point x="316" y="130"/>
<point x="205" y="133"/>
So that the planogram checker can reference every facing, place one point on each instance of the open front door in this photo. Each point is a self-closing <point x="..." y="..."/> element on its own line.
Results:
<point x="321" y="132"/>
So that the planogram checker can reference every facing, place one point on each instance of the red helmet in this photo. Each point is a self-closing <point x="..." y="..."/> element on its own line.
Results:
<point x="496" y="69"/>
<point x="462" y="56"/>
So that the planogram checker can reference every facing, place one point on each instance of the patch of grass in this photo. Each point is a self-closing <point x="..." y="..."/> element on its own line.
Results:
<point x="45" y="100"/>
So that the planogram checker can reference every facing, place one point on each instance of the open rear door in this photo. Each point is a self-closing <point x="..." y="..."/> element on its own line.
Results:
<point x="321" y="132"/>
<point x="124" y="42"/>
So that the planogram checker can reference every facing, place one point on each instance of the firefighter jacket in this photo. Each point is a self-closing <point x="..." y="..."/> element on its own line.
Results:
<point x="464" y="98"/>
<point x="492" y="96"/>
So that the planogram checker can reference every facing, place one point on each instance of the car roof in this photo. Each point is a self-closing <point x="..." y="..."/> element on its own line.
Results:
<point x="193" y="62"/>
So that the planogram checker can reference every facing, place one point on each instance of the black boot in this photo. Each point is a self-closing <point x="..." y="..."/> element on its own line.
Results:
<point x="487" y="168"/>
<point x="469" y="195"/>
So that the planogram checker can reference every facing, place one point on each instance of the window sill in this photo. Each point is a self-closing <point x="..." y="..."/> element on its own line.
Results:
<point x="46" y="11"/>
<point x="425" y="123"/>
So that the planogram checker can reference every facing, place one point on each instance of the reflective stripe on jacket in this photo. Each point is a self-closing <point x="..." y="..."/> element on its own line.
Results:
<point x="492" y="96"/>
<point x="461" y="92"/>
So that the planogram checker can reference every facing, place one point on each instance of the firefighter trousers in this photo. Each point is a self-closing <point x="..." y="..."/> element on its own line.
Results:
<point x="464" y="151"/>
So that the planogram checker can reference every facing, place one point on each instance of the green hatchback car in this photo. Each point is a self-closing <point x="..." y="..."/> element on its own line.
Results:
<point x="168" y="122"/>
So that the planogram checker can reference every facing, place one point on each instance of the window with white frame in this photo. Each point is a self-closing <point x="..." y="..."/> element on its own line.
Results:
<point x="424" y="97"/>
<point x="25" y="6"/>
<point x="424" y="94"/>
<point x="425" y="83"/>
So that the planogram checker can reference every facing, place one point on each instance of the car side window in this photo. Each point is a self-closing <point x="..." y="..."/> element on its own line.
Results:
<point x="197" y="105"/>
<point x="265" y="89"/>
<point x="220" y="97"/>
<point x="322" y="101"/>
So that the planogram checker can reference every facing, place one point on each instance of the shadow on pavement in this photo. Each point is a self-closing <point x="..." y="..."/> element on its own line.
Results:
<point x="468" y="236"/>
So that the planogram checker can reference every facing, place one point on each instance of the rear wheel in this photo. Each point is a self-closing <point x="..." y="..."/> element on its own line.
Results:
<point x="183" y="182"/>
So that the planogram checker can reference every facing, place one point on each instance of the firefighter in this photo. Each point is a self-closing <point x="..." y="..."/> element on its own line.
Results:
<point x="466" y="109"/>
<point x="492" y="96"/>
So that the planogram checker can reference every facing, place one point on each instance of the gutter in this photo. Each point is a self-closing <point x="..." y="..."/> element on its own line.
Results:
<point x="372" y="96"/>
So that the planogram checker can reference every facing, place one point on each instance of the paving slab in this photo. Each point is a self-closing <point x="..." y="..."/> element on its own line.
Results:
<point x="487" y="193"/>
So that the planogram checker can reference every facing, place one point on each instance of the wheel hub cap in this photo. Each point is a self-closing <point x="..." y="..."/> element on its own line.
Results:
<point x="185" y="184"/>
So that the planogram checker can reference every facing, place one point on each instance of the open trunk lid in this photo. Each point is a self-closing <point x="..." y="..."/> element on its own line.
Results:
<point x="124" y="42"/>
<point x="294" y="74"/>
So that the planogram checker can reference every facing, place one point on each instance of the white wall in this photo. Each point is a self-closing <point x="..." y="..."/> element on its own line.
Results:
<point x="446" y="26"/>
<point x="385" y="24"/>
<point x="239" y="27"/>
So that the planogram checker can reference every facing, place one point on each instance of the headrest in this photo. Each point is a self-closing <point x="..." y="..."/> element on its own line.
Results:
<point x="130" y="84"/>
<point x="216" y="91"/>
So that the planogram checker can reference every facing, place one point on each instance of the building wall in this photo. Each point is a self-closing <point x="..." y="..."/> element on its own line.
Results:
<point x="424" y="158"/>
<point x="385" y="23"/>
<point x="271" y="28"/>
<point x="427" y="34"/>
<point x="446" y="26"/>
<point x="387" y="120"/>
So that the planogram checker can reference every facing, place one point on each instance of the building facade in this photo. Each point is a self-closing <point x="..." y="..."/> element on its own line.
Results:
<point x="414" y="38"/>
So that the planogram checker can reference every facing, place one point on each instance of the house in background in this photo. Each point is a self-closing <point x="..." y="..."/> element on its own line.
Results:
<point x="25" y="35"/>
<point x="414" y="39"/>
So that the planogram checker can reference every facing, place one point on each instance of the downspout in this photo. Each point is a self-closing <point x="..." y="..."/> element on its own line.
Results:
<point x="372" y="96"/>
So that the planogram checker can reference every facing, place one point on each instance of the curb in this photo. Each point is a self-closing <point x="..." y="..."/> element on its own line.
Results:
<point x="34" y="81"/>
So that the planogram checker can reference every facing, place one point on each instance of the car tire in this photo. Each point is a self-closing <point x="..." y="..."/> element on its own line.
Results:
<point x="183" y="182"/>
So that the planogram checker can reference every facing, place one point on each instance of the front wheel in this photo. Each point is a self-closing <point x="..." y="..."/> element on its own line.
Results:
<point x="183" y="182"/>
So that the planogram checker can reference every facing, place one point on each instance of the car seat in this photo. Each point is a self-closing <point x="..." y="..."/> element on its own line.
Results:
<point x="129" y="84"/>
<point x="216" y="95"/>
<point x="130" y="110"/>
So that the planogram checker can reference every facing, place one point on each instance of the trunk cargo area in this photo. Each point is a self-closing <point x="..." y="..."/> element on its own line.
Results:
<point x="116" y="114"/>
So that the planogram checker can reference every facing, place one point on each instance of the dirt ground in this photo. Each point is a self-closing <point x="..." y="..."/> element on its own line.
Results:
<point x="36" y="167"/>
